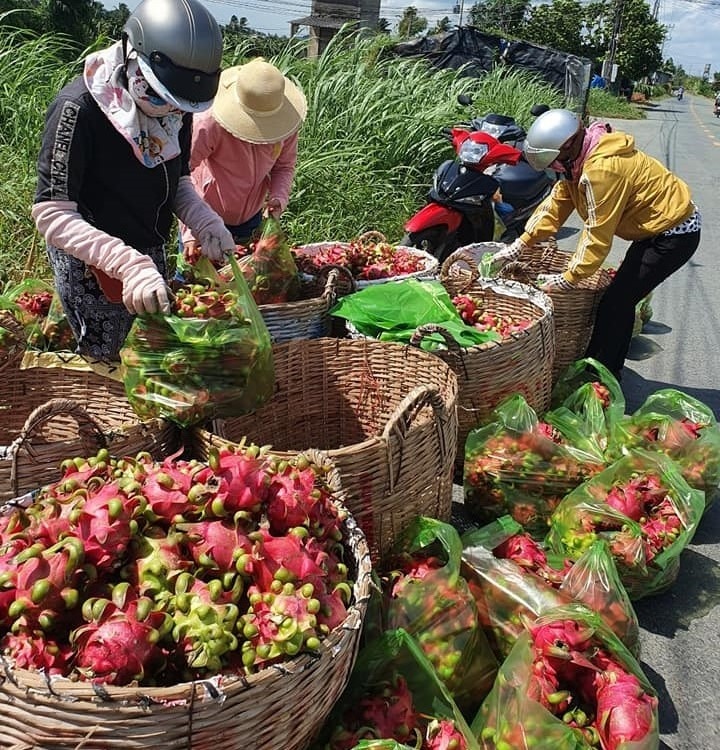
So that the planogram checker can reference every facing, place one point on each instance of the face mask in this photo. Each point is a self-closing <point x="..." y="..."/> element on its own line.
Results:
<point x="144" y="97"/>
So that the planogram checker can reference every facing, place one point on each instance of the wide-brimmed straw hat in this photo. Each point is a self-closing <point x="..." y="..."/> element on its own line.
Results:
<point x="257" y="103"/>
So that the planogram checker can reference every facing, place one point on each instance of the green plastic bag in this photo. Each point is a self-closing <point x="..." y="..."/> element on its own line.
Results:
<point x="270" y="270"/>
<point x="514" y="585"/>
<point x="426" y="595"/>
<point x="643" y="508"/>
<point x="394" y="310"/>
<point x="569" y="684"/>
<point x="393" y="686"/>
<point x="189" y="370"/>
<point x="680" y="426"/>
<point x="516" y="465"/>
<point x="591" y="392"/>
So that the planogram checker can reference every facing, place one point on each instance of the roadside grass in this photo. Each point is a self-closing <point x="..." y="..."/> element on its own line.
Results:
<point x="602" y="103"/>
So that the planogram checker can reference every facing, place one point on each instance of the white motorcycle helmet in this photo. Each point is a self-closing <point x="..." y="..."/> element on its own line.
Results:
<point x="179" y="50"/>
<point x="548" y="134"/>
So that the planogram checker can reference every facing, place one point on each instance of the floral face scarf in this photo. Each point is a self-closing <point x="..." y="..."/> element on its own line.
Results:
<point x="147" y="122"/>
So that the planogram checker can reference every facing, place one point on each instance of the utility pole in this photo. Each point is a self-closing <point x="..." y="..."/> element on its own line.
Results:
<point x="607" y="69"/>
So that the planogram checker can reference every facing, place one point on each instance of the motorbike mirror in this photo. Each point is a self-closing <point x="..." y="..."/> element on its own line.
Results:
<point x="464" y="99"/>
<point x="539" y="109"/>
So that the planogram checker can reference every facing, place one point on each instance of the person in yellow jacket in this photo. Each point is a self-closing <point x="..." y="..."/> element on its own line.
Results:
<point x="617" y="190"/>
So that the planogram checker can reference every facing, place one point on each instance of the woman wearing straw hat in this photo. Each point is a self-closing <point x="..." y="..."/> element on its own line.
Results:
<point x="244" y="148"/>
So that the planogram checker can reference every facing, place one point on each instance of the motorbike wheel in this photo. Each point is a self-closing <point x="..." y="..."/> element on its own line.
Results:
<point x="435" y="241"/>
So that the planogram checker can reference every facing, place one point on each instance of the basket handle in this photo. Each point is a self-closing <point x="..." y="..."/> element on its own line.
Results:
<point x="429" y="328"/>
<point x="10" y="323"/>
<point x="404" y="414"/>
<point x="88" y="427"/>
<point x="333" y="286"/>
<point x="460" y="257"/>
<point x="371" y="236"/>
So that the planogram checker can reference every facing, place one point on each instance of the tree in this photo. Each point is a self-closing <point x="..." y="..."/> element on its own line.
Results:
<point x="639" y="49"/>
<point x="441" y="26"/>
<point x="503" y="17"/>
<point x="411" y="23"/>
<point x="382" y="26"/>
<point x="110" y="23"/>
<point x="558" y="25"/>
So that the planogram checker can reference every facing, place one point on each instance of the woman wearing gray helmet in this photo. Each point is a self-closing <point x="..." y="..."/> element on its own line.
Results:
<point x="618" y="191"/>
<point x="113" y="170"/>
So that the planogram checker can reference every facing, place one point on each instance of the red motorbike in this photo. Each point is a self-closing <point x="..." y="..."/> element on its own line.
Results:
<point x="487" y="179"/>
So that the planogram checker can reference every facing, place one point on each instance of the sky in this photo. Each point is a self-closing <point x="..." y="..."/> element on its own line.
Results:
<point x="693" y="39"/>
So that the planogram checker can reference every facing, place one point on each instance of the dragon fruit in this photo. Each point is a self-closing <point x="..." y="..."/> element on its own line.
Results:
<point x="385" y="712"/>
<point x="242" y="479"/>
<point x="279" y="623"/>
<point x="204" y="617"/>
<point x="216" y="545"/>
<point x="119" y="644"/>
<point x="45" y="583"/>
<point x="105" y="524"/>
<point x="443" y="735"/>
<point x="296" y="499"/>
<point x="32" y="649"/>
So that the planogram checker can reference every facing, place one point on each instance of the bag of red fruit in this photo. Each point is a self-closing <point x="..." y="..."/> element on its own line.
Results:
<point x="569" y="684"/>
<point x="681" y="427"/>
<point x="270" y="269"/>
<point x="520" y="466"/>
<point x="515" y="579"/>
<point x="643" y="508"/>
<point x="211" y="357"/>
<point x="394" y="695"/>
<point x="587" y="397"/>
<point x="426" y="595"/>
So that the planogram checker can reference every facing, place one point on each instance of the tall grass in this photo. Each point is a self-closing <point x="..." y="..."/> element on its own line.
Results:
<point x="367" y="151"/>
<point x="31" y="72"/>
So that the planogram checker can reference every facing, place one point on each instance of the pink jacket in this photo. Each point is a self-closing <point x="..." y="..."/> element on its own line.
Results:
<point x="236" y="177"/>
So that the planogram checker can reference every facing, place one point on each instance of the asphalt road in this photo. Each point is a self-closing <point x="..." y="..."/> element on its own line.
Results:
<point x="680" y="348"/>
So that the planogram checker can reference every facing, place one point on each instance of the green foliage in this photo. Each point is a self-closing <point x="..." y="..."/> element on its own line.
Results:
<point x="603" y="103"/>
<point x="503" y="17"/>
<point x="411" y="23"/>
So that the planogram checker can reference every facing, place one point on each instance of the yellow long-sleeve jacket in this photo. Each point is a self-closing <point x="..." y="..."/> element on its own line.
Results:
<point x="621" y="191"/>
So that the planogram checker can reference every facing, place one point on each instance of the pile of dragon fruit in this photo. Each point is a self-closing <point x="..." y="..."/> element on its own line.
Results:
<point x="133" y="571"/>
<point x="473" y="314"/>
<point x="365" y="260"/>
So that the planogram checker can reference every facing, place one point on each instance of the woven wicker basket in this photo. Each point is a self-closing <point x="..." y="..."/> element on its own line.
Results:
<point x="282" y="706"/>
<point x="430" y="263"/>
<point x="574" y="310"/>
<point x="384" y="414"/>
<point x="490" y="372"/>
<point x="14" y="341"/>
<point x="307" y="317"/>
<point x="49" y="413"/>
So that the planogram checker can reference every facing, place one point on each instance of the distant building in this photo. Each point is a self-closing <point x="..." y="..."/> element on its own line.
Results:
<point x="326" y="18"/>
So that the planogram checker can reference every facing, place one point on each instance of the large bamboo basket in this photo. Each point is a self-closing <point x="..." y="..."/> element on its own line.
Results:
<point x="384" y="414"/>
<point x="489" y="373"/>
<point x="56" y="407"/>
<point x="309" y="316"/>
<point x="13" y="341"/>
<point x="282" y="706"/>
<point x="574" y="309"/>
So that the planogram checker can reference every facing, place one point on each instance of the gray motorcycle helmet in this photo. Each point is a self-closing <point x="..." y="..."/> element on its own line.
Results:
<point x="548" y="134"/>
<point x="179" y="49"/>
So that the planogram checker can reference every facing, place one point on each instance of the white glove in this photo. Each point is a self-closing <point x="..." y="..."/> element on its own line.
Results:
<point x="508" y="253"/>
<point x="144" y="289"/>
<point x="553" y="282"/>
<point x="207" y="227"/>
